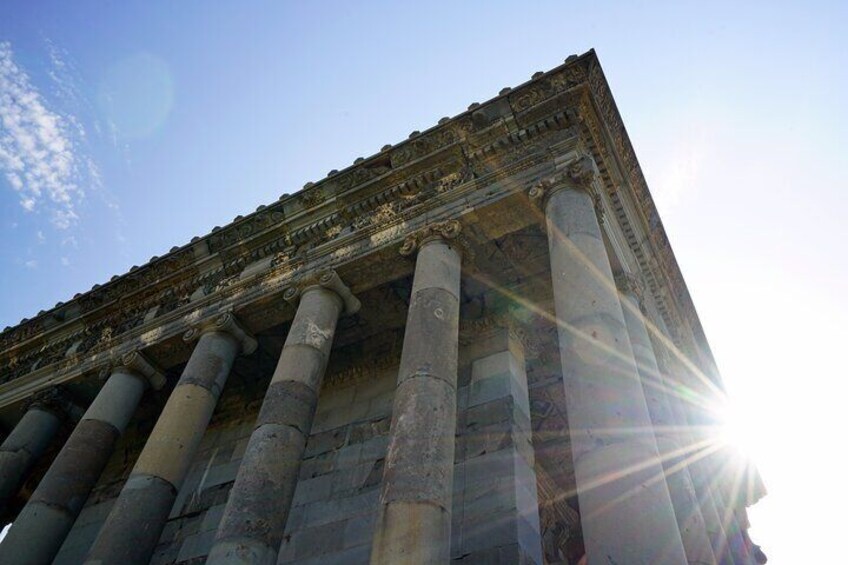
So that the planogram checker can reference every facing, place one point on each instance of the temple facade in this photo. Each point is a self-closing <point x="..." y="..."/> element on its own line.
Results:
<point x="475" y="346"/>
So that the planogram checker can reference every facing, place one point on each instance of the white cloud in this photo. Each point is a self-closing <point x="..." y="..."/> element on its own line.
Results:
<point x="37" y="153"/>
<point x="31" y="264"/>
<point x="65" y="261"/>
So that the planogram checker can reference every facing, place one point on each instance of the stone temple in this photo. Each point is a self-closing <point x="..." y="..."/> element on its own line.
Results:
<point x="475" y="346"/>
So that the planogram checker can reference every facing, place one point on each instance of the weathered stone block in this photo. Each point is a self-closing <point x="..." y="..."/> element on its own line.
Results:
<point x="360" y="530"/>
<point x="311" y="490"/>
<point x="364" y="431"/>
<point x="374" y="448"/>
<point x="326" y="511"/>
<point x="352" y="556"/>
<point x="504" y="409"/>
<point x="353" y="479"/>
<point x="325" y="441"/>
<point x="319" y="540"/>
<point x="318" y="465"/>
<point x="196" y="545"/>
<point x="212" y="517"/>
<point x="220" y="474"/>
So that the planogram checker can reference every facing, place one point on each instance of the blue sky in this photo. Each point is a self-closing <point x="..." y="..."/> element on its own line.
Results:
<point x="136" y="126"/>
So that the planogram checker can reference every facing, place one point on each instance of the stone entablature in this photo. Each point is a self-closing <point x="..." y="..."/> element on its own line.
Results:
<point x="460" y="163"/>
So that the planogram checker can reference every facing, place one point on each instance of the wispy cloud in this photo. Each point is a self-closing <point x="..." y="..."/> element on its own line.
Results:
<point x="37" y="153"/>
<point x="70" y="87"/>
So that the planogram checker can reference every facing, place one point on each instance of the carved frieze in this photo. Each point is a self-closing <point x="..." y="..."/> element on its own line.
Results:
<point x="385" y="191"/>
<point x="422" y="145"/>
<point x="246" y="228"/>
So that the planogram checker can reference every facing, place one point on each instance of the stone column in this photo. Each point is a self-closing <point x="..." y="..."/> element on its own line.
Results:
<point x="712" y="462"/>
<point x="696" y="541"/>
<point x="625" y="508"/>
<point x="693" y="445"/>
<point x="254" y="520"/>
<point x="135" y="523"/>
<point x="41" y="527"/>
<point x="414" y="518"/>
<point x="28" y="440"/>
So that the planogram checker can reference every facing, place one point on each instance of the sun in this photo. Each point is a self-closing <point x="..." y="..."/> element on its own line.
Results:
<point x="737" y="429"/>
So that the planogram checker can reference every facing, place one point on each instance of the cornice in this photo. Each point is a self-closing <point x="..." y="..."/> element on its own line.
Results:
<point x="656" y="257"/>
<point x="373" y="203"/>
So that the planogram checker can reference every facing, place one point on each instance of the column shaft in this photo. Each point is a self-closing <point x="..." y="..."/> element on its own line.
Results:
<point x="695" y="445"/>
<point x="252" y="527"/>
<point x="135" y="523"/>
<point x="414" y="518"/>
<point x="38" y="532"/>
<point x="696" y="541"/>
<point x="23" y="447"/>
<point x="717" y="466"/>
<point x="625" y="508"/>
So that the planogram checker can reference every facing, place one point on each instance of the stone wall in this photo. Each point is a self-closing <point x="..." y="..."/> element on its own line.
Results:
<point x="495" y="508"/>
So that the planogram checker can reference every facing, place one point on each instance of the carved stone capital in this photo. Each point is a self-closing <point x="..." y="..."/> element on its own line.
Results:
<point x="139" y="364"/>
<point x="55" y="400"/>
<point x="576" y="170"/>
<point x="448" y="230"/>
<point x="630" y="284"/>
<point x="226" y="323"/>
<point x="328" y="279"/>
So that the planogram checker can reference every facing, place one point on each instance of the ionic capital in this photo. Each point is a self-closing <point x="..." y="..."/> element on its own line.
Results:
<point x="328" y="279"/>
<point x="630" y="284"/>
<point x="225" y="323"/>
<point x="139" y="364"/>
<point x="576" y="171"/>
<point x="448" y="231"/>
<point x="56" y="401"/>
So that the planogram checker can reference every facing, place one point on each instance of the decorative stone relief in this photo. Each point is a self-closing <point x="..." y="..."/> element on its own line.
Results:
<point x="447" y="230"/>
<point x="578" y="172"/>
